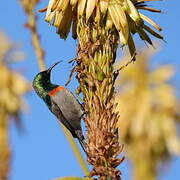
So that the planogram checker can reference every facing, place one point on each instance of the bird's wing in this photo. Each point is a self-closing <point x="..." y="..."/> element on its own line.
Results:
<point x="69" y="106"/>
<point x="57" y="112"/>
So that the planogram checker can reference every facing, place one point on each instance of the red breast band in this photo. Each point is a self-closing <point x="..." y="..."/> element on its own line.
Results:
<point x="54" y="91"/>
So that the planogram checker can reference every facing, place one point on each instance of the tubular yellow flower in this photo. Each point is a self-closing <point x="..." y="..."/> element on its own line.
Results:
<point x="121" y="11"/>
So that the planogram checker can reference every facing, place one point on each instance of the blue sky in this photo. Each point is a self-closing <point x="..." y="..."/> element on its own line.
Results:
<point x="42" y="152"/>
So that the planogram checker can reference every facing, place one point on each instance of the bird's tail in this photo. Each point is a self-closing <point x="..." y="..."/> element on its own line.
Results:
<point x="81" y="139"/>
<point x="83" y="144"/>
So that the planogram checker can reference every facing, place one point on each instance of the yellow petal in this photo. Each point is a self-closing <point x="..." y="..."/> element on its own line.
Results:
<point x="73" y="2"/>
<point x="150" y="21"/>
<point x="50" y="5"/>
<point x="62" y="5"/>
<point x="119" y="18"/>
<point x="57" y="18"/>
<point x="103" y="6"/>
<point x="89" y="8"/>
<point x="133" y="13"/>
<point x="81" y="7"/>
<point x="109" y="21"/>
<point x="122" y="38"/>
<point x="50" y="17"/>
<point x="98" y="14"/>
<point x="65" y="23"/>
<point x="114" y="16"/>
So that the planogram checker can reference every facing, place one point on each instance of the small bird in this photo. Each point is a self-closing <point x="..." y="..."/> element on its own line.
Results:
<point x="61" y="102"/>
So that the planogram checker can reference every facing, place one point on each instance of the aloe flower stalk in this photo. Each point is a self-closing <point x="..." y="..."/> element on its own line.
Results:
<point x="99" y="26"/>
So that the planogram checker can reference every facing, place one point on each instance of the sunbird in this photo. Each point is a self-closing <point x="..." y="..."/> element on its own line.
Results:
<point x="61" y="102"/>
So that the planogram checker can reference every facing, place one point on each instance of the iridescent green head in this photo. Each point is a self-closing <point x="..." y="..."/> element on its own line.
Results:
<point x="42" y="82"/>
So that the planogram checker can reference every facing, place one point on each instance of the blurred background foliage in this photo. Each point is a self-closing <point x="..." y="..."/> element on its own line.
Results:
<point x="149" y="114"/>
<point x="12" y="87"/>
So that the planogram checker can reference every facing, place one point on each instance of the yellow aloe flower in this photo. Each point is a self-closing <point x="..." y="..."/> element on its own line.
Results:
<point x="123" y="15"/>
<point x="149" y="114"/>
<point x="12" y="86"/>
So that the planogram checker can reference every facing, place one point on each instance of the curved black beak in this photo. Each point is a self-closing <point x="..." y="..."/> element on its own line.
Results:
<point x="49" y="70"/>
